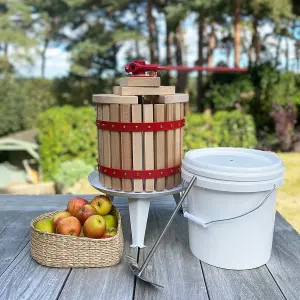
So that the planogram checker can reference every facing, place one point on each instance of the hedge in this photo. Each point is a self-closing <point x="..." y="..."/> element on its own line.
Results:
<point x="66" y="133"/>
<point x="223" y="129"/>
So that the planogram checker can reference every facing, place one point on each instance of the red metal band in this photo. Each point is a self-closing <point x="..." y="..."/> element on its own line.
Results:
<point x="139" y="127"/>
<point x="139" y="174"/>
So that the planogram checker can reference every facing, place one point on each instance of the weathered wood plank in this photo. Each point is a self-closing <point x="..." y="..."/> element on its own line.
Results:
<point x="25" y="279"/>
<point x="14" y="237"/>
<point x="116" y="282"/>
<point x="284" y="264"/>
<point x="172" y="265"/>
<point x="248" y="284"/>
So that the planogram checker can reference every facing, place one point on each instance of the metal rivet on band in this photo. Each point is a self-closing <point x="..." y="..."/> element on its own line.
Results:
<point x="103" y="125"/>
<point x="149" y="126"/>
<point x="161" y="173"/>
<point x="114" y="173"/>
<point x="137" y="174"/>
<point x="171" y="125"/>
<point x="112" y="126"/>
<point x="124" y="126"/>
<point x="136" y="126"/>
<point x="105" y="171"/>
<point x="171" y="171"/>
<point x="161" y="126"/>
<point x="149" y="174"/>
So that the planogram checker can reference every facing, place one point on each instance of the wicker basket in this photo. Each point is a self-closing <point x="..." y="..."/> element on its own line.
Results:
<point x="62" y="251"/>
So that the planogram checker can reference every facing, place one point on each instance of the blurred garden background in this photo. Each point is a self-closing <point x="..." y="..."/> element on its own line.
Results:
<point x="55" y="54"/>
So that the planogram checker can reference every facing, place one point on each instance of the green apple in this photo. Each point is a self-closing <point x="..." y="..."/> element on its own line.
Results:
<point x="45" y="225"/>
<point x="111" y="221"/>
<point x="110" y="233"/>
<point x="102" y="204"/>
<point x="81" y="232"/>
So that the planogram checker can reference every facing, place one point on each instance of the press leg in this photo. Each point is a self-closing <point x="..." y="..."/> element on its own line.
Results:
<point x="177" y="199"/>
<point x="138" y="210"/>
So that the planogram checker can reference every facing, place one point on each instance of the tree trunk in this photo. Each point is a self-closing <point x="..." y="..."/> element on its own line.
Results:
<point x="278" y="47"/>
<point x="151" y="32"/>
<point x="255" y="39"/>
<point x="168" y="50"/>
<point x="237" y="33"/>
<point x="43" y="57"/>
<point x="5" y="49"/>
<point x="287" y="54"/>
<point x="211" y="46"/>
<point x="200" y="104"/>
<point x="136" y="42"/>
<point x="180" y="59"/>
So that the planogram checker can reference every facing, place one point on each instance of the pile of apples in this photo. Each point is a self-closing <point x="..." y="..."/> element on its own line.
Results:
<point x="82" y="218"/>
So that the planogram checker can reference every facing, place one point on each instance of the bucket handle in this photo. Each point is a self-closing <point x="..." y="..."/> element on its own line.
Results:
<point x="205" y="224"/>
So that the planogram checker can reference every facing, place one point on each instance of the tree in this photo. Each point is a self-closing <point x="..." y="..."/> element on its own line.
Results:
<point x="50" y="21"/>
<point x="237" y="32"/>
<point x="15" y="42"/>
<point x="151" y="32"/>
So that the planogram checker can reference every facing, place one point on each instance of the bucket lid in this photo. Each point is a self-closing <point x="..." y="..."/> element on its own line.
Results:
<point x="233" y="164"/>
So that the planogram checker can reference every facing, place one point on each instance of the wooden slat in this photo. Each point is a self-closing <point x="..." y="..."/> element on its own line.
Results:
<point x="126" y="146"/>
<point x="177" y="137"/>
<point x="182" y="131"/>
<point x="148" y="146"/>
<point x="284" y="264"/>
<point x="25" y="279"/>
<point x="117" y="99"/>
<point x="106" y="145"/>
<point x="248" y="284"/>
<point x="115" y="146"/>
<point x="115" y="282"/>
<point x="159" y="139"/>
<point x="173" y="264"/>
<point x="140" y="81"/>
<point x="100" y="141"/>
<point x="139" y="91"/>
<point x="170" y="146"/>
<point x="137" y="144"/>
<point x="176" y="98"/>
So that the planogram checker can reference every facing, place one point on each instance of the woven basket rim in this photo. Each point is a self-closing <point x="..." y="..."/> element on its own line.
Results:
<point x="33" y="221"/>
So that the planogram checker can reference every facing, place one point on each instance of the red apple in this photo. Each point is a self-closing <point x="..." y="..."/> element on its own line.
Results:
<point x="69" y="226"/>
<point x="75" y="204"/>
<point x="58" y="217"/>
<point x="85" y="212"/>
<point x="94" y="227"/>
<point x="102" y="204"/>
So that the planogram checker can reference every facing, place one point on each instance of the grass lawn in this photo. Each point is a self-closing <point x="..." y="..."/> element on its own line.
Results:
<point x="288" y="200"/>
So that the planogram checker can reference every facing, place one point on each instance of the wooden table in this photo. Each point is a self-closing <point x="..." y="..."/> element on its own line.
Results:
<point x="173" y="265"/>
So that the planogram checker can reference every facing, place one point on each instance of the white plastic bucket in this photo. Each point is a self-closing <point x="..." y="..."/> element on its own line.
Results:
<point x="231" y="207"/>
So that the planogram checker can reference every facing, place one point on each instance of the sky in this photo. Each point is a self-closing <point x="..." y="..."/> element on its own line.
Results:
<point x="58" y="60"/>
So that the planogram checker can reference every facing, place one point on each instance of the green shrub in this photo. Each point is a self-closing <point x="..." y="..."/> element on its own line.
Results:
<point x="70" y="172"/>
<point x="223" y="129"/>
<point x="21" y="102"/>
<point x="66" y="133"/>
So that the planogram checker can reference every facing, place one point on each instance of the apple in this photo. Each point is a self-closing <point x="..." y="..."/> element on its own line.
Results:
<point x="81" y="232"/>
<point x="102" y="204"/>
<point x="75" y="204"/>
<point x="69" y="226"/>
<point x="110" y="220"/>
<point x="110" y="233"/>
<point x="85" y="212"/>
<point x="94" y="227"/>
<point x="58" y="217"/>
<point x="45" y="225"/>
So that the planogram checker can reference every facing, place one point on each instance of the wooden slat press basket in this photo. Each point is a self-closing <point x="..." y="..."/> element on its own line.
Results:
<point x="140" y="135"/>
<point x="63" y="251"/>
